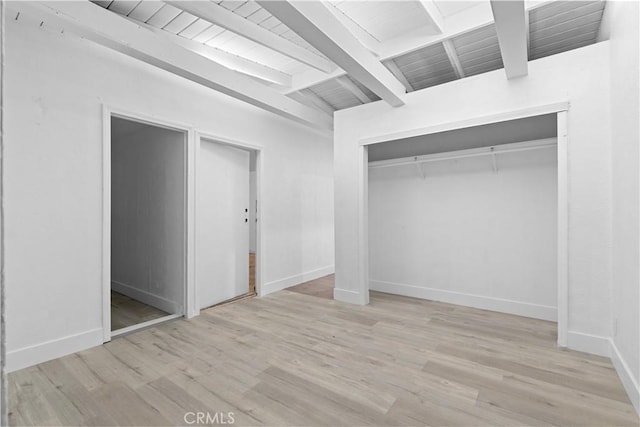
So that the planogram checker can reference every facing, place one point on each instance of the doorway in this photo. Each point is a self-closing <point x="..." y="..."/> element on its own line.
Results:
<point x="147" y="267"/>
<point x="227" y="222"/>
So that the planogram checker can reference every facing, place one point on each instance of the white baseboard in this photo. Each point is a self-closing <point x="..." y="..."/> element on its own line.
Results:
<point x="146" y="297"/>
<point x="32" y="355"/>
<point x="351" y="297"/>
<point x="477" y="301"/>
<point x="594" y="344"/>
<point x="628" y="381"/>
<point x="287" y="282"/>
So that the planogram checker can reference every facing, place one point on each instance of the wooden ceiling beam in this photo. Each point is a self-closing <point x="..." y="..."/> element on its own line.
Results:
<point x="436" y="18"/>
<point x="450" y="49"/>
<point x="229" y="60"/>
<point x="235" y="23"/>
<point x="108" y="29"/>
<point x="312" y="21"/>
<point x="511" y="25"/>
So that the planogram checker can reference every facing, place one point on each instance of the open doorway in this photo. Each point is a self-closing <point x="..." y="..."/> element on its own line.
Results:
<point x="147" y="218"/>
<point x="227" y="222"/>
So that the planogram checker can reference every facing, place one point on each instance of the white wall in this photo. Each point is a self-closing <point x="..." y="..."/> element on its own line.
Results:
<point x="581" y="77"/>
<point x="467" y="235"/>
<point x="622" y="20"/>
<point x="56" y="85"/>
<point x="148" y="183"/>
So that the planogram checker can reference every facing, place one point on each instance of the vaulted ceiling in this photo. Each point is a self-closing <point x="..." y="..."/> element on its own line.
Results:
<point x="338" y="54"/>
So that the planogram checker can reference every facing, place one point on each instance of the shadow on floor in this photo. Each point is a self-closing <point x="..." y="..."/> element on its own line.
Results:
<point x="126" y="311"/>
<point x="322" y="287"/>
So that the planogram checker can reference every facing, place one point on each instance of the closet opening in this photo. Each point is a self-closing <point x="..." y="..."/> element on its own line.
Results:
<point x="473" y="216"/>
<point x="147" y="220"/>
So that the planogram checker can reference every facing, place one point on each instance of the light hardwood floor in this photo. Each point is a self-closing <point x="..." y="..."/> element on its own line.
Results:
<point x="294" y="359"/>
<point x="126" y="311"/>
<point x="322" y="287"/>
<point x="252" y="273"/>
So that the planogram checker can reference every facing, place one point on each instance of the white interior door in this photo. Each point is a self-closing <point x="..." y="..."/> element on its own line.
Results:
<point x="222" y="258"/>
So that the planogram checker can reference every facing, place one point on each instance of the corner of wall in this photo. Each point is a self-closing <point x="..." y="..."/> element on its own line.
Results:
<point x="287" y="282"/>
<point x="624" y="372"/>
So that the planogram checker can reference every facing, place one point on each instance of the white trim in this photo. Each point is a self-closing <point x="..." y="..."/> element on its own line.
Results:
<point x="106" y="223"/>
<point x="563" y="228"/>
<point x="145" y="297"/>
<point x="144" y="325"/>
<point x="229" y="141"/>
<point x="191" y="309"/>
<point x="287" y="282"/>
<point x="38" y="353"/>
<point x="626" y="376"/>
<point x="588" y="343"/>
<point x="351" y="297"/>
<point x="259" y="149"/>
<point x="363" y="226"/>
<point x="475" y="121"/>
<point x="519" y="308"/>
<point x="108" y="112"/>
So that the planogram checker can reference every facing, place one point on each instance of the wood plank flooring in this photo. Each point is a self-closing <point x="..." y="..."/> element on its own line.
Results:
<point x="126" y="311"/>
<point x="322" y="287"/>
<point x="252" y="273"/>
<point x="295" y="359"/>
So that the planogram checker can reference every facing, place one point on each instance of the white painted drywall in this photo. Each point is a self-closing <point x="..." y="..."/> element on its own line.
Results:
<point x="581" y="77"/>
<point x="222" y="252"/>
<point x="622" y="20"/>
<point x="467" y="235"/>
<point x="148" y="184"/>
<point x="56" y="87"/>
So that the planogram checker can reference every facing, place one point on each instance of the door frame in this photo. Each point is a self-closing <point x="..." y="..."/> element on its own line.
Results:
<point x="199" y="137"/>
<point x="561" y="109"/>
<point x="189" y="232"/>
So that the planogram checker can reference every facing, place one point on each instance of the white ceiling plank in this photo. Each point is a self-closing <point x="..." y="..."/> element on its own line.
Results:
<point x="145" y="10"/>
<point x="346" y="83"/>
<point x="391" y="65"/>
<point x="510" y="21"/>
<point x="163" y="16"/>
<point x="229" y="60"/>
<point x="462" y="22"/>
<point x="94" y="23"/>
<point x="103" y="3"/>
<point x="453" y="58"/>
<point x="123" y="7"/>
<point x="180" y="22"/>
<point x="312" y="100"/>
<point x="437" y="20"/>
<point x="247" y="9"/>
<point x="195" y="28"/>
<point x="233" y="22"/>
<point x="315" y="23"/>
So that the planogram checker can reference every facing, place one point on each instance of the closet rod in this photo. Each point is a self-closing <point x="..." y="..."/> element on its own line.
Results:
<point x="473" y="152"/>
